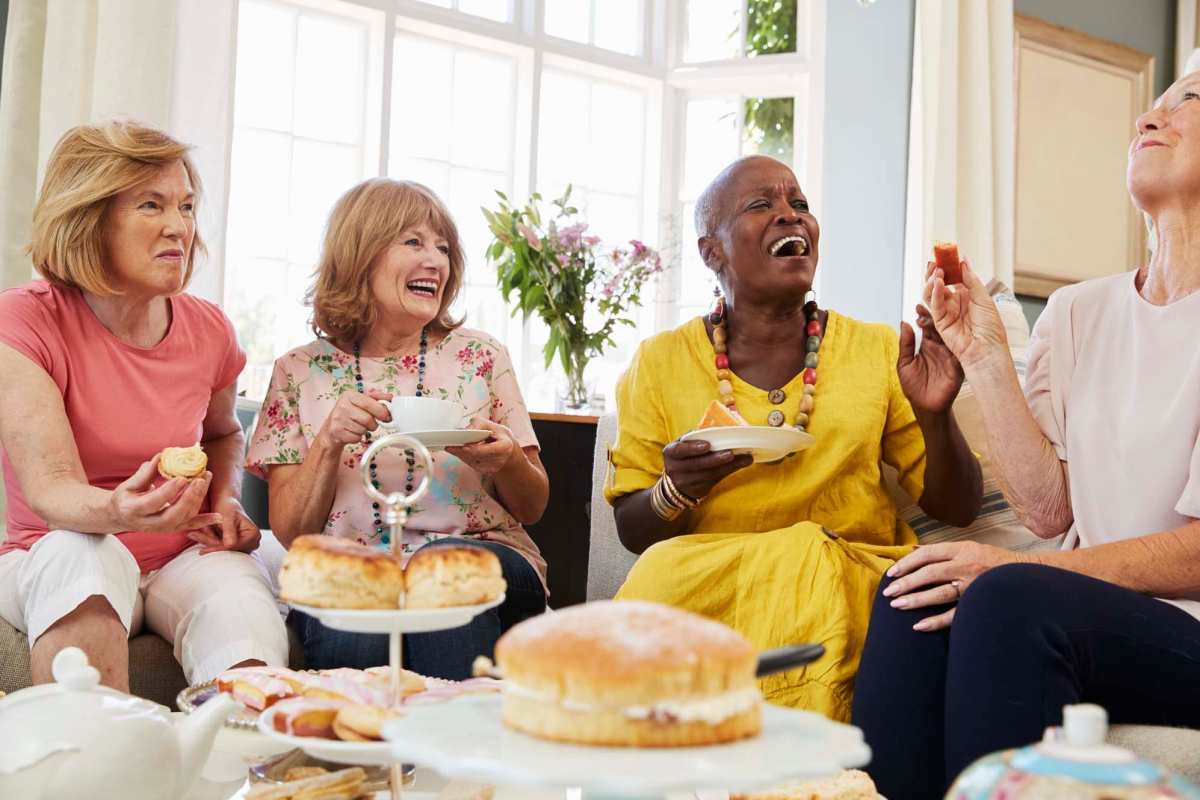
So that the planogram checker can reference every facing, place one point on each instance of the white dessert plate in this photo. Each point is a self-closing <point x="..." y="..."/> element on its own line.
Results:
<point x="761" y="441"/>
<point x="440" y="439"/>
<point x="397" y="620"/>
<point x="336" y="750"/>
<point x="469" y="741"/>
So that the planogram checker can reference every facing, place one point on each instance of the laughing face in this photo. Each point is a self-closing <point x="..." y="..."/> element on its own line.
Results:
<point x="763" y="245"/>
<point x="1164" y="156"/>
<point x="410" y="277"/>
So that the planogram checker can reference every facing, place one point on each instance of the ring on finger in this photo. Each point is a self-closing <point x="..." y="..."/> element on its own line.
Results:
<point x="957" y="586"/>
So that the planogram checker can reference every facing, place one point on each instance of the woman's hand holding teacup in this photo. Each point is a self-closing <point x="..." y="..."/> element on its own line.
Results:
<point x="492" y="454"/>
<point x="695" y="469"/>
<point x="355" y="415"/>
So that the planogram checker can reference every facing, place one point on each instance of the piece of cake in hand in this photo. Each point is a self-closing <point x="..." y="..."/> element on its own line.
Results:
<point x="849" y="784"/>
<point x="452" y="575"/>
<point x="328" y="572"/>
<point x="719" y="415"/>
<point x="629" y="673"/>
<point x="182" y="462"/>
<point x="945" y="258"/>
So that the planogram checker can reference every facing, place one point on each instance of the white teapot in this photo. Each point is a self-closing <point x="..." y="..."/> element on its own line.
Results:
<point x="79" y="740"/>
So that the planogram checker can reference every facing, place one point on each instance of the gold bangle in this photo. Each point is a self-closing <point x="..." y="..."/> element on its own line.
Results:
<point x="679" y="498"/>
<point x="665" y="511"/>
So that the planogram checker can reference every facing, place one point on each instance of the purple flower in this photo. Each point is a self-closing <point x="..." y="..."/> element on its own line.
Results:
<point x="591" y="241"/>
<point x="571" y="235"/>
<point x="639" y="249"/>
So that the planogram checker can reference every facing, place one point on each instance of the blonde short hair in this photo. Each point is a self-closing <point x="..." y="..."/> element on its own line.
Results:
<point x="366" y="221"/>
<point x="90" y="165"/>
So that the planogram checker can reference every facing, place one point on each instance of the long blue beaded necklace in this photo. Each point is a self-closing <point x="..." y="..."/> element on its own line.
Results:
<point x="411" y="460"/>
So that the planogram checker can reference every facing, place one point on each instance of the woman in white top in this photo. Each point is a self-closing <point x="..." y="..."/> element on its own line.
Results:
<point x="974" y="648"/>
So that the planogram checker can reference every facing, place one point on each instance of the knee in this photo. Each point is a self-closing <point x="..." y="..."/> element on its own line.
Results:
<point x="1007" y="596"/>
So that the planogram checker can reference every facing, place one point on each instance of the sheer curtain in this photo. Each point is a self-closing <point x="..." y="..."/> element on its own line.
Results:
<point x="71" y="62"/>
<point x="961" y="139"/>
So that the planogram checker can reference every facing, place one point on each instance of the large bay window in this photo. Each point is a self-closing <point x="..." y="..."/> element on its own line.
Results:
<point x="635" y="104"/>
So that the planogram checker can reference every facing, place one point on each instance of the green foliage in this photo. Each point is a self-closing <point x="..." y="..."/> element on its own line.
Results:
<point x="768" y="121"/>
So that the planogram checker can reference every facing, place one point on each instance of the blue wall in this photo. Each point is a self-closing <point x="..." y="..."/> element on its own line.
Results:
<point x="868" y="77"/>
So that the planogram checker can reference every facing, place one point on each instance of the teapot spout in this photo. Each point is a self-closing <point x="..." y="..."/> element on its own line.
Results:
<point x="26" y="772"/>
<point x="196" y="733"/>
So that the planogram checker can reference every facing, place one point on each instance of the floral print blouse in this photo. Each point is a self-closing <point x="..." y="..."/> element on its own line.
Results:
<point x="468" y="367"/>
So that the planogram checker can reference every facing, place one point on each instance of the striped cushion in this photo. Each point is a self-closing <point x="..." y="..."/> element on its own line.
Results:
<point x="996" y="524"/>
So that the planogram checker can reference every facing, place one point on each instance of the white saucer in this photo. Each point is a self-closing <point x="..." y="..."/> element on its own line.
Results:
<point x="761" y="441"/>
<point x="469" y="741"/>
<point x="440" y="439"/>
<point x="396" y="620"/>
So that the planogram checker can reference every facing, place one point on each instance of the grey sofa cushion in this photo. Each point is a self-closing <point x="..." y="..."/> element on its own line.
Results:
<point x="608" y="560"/>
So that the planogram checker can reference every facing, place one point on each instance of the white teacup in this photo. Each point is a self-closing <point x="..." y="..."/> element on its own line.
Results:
<point x="424" y="414"/>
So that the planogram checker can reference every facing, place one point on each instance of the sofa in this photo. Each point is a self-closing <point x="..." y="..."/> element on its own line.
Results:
<point x="153" y="671"/>
<point x="609" y="562"/>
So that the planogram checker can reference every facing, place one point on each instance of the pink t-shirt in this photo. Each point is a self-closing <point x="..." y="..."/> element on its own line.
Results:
<point x="1114" y="383"/>
<point x="124" y="403"/>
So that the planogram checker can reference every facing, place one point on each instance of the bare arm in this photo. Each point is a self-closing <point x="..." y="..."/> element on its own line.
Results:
<point x="224" y="443"/>
<point x="523" y="486"/>
<point x="37" y="435"/>
<point x="1164" y="564"/>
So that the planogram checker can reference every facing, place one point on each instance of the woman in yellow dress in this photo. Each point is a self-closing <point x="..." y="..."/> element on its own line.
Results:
<point x="791" y="551"/>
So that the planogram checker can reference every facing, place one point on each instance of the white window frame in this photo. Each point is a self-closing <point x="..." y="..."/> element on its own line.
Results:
<point x="658" y="70"/>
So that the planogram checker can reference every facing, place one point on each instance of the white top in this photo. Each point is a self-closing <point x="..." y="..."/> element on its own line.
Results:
<point x="1114" y="383"/>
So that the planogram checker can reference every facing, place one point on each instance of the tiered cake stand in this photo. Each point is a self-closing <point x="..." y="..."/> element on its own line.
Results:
<point x="394" y="622"/>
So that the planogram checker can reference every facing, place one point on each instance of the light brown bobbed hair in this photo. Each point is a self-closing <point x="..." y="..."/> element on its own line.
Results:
<point x="367" y="220"/>
<point x="89" y="166"/>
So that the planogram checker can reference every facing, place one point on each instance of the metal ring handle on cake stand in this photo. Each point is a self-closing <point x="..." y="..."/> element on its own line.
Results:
<point x="396" y="509"/>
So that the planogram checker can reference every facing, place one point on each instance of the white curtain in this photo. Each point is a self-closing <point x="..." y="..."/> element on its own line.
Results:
<point x="961" y="139"/>
<point x="73" y="62"/>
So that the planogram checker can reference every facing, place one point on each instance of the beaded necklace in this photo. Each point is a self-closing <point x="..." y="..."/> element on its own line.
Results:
<point x="718" y="318"/>
<point x="410" y="459"/>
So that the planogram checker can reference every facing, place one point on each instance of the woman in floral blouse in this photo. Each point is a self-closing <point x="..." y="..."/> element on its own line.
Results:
<point x="391" y="266"/>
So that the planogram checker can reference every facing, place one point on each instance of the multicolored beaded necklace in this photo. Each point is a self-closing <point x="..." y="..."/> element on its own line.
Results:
<point x="776" y="396"/>
<point x="382" y="530"/>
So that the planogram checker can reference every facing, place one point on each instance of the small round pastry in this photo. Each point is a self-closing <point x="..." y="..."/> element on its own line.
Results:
<point x="362" y="723"/>
<point x="328" y="572"/>
<point x="305" y="716"/>
<point x="182" y="462"/>
<point x="450" y="575"/>
<point x="629" y="674"/>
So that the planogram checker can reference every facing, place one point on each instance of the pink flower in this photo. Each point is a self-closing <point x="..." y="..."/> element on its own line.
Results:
<point x="484" y="370"/>
<point x="571" y="235"/>
<point x="465" y="355"/>
<point x="530" y="236"/>
<point x="409" y="362"/>
<point x="639" y="249"/>
<point x="591" y="241"/>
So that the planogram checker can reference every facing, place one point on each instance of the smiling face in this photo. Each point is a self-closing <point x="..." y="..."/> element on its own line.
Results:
<point x="149" y="232"/>
<point x="1164" y="156"/>
<point x="763" y="242"/>
<point x="409" y="278"/>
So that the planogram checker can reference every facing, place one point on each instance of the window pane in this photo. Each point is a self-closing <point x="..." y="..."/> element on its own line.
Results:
<point x="770" y="26"/>
<point x="499" y="10"/>
<point x="439" y="3"/>
<point x="422" y="82"/>
<point x="469" y="190"/>
<point x="434" y="174"/>
<point x="618" y="129"/>
<point x="321" y="173"/>
<point x="619" y="25"/>
<point x="564" y="127"/>
<point x="696" y="280"/>
<point x="569" y="19"/>
<point x="613" y="217"/>
<point x="260" y="194"/>
<point x="711" y="141"/>
<point x="484" y="97"/>
<point x="331" y="57"/>
<point x="712" y="30"/>
<point x="265" y="57"/>
<point x="767" y="127"/>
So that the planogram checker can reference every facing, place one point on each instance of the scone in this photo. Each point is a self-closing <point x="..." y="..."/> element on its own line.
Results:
<point x="629" y="673"/>
<point x="328" y="572"/>
<point x="182" y="462"/>
<point x="849" y="784"/>
<point x="449" y="575"/>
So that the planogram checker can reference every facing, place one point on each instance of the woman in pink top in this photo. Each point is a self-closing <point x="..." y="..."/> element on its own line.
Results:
<point x="973" y="648"/>
<point x="105" y="363"/>
<point x="391" y="267"/>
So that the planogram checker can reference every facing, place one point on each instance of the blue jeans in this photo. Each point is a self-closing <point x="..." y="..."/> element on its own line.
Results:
<point x="1026" y="640"/>
<point x="440" y="654"/>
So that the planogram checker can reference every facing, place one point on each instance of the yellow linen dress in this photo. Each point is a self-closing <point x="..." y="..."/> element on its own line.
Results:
<point x="787" y="552"/>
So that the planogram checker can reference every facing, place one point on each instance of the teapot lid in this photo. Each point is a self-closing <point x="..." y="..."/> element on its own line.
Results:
<point x="1078" y="750"/>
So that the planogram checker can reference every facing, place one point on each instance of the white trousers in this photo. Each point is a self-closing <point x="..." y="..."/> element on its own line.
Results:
<point x="216" y="610"/>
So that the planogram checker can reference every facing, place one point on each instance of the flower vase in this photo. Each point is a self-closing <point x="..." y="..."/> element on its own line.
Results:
<point x="573" y="390"/>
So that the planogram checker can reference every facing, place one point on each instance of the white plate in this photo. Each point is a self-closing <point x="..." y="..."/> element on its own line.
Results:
<point x="374" y="753"/>
<point x="399" y="620"/>
<point x="437" y="440"/>
<point x="761" y="441"/>
<point x="468" y="740"/>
